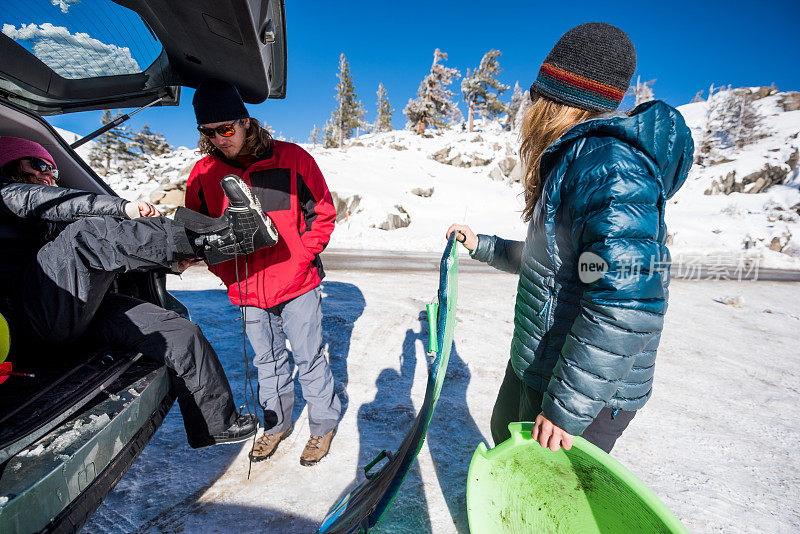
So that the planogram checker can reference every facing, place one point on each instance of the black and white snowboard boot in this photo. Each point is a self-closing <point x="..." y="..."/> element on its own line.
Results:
<point x="243" y="227"/>
<point x="244" y="428"/>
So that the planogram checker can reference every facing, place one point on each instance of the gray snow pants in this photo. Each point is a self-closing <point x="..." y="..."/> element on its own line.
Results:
<point x="516" y="401"/>
<point x="299" y="320"/>
<point x="64" y="296"/>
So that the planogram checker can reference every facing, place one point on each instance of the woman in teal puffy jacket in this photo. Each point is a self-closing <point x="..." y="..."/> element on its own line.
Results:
<point x="594" y="268"/>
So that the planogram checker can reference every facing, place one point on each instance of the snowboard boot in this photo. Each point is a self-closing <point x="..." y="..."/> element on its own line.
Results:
<point x="243" y="227"/>
<point x="316" y="448"/>
<point x="244" y="428"/>
<point x="267" y="444"/>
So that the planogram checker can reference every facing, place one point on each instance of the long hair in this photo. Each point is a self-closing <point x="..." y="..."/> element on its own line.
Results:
<point x="544" y="122"/>
<point x="257" y="142"/>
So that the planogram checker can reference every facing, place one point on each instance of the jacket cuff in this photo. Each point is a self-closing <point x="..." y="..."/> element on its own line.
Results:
<point x="484" y="249"/>
<point x="558" y="414"/>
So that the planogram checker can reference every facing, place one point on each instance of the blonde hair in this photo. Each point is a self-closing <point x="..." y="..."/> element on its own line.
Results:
<point x="257" y="142"/>
<point x="544" y="123"/>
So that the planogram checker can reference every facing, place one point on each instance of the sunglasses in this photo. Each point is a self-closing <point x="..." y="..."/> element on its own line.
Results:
<point x="226" y="130"/>
<point x="42" y="166"/>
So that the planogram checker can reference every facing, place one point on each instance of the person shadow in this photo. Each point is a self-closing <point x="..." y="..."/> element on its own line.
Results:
<point x="453" y="436"/>
<point x="382" y="424"/>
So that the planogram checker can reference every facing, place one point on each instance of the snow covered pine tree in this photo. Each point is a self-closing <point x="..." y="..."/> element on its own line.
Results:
<point x="383" y="122"/>
<point x="642" y="92"/>
<point x="520" y="100"/>
<point x="481" y="89"/>
<point x="349" y="111"/>
<point x="433" y="103"/>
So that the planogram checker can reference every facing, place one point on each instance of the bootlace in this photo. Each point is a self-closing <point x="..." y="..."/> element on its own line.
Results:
<point x="313" y="442"/>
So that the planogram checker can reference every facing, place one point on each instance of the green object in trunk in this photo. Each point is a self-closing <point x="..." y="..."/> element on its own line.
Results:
<point x="522" y="487"/>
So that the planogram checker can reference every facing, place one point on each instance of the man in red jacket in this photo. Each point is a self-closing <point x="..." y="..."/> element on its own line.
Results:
<point x="279" y="286"/>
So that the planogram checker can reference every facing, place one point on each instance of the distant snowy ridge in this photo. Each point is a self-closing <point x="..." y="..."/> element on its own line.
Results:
<point x="380" y="182"/>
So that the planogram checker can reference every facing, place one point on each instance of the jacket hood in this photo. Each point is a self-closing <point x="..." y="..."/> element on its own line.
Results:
<point x="654" y="128"/>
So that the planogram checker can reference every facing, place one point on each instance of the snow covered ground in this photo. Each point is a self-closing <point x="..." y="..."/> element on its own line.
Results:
<point x="716" y="442"/>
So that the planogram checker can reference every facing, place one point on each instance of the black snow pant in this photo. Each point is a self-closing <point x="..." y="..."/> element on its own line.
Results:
<point x="65" y="296"/>
<point x="516" y="401"/>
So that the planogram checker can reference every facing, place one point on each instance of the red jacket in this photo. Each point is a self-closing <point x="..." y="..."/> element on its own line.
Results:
<point x="292" y="191"/>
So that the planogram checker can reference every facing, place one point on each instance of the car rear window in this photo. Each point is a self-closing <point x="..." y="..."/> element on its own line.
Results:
<point x="81" y="38"/>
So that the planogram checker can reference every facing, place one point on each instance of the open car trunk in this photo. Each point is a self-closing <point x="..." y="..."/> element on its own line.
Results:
<point x="69" y="433"/>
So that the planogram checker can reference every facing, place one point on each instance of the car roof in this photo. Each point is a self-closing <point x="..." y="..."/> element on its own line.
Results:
<point x="79" y="55"/>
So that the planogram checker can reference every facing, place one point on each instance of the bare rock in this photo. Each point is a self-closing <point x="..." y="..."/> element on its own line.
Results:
<point x="442" y="156"/>
<point x="496" y="173"/>
<point x="477" y="139"/>
<point x="173" y="197"/>
<point x="764" y="179"/>
<point x="399" y="219"/>
<point x="422" y="192"/>
<point x="395" y="146"/>
<point x="790" y="101"/>
<point x="735" y="301"/>
<point x="775" y="244"/>
<point x="345" y="205"/>
<point x="507" y="165"/>
<point x="794" y="158"/>
<point x="518" y="173"/>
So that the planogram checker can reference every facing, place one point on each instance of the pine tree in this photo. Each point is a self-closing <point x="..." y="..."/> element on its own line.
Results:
<point x="481" y="89"/>
<point x="732" y="121"/>
<point x="642" y="92"/>
<point x="113" y="150"/>
<point x="150" y="143"/>
<point x="698" y="97"/>
<point x="433" y="104"/>
<point x="329" y="136"/>
<point x="313" y="137"/>
<point x="349" y="112"/>
<point x="518" y="97"/>
<point x="383" y="122"/>
<point x="523" y="108"/>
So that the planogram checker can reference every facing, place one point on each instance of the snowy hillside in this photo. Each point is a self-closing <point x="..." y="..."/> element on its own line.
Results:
<point x="381" y="181"/>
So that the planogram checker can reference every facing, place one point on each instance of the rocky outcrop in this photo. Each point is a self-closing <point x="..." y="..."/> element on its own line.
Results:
<point x="790" y="101"/>
<point x="420" y="192"/>
<point x="399" y="219"/>
<point x="451" y="156"/>
<point x="345" y="205"/>
<point x="171" y="194"/>
<point x="756" y="182"/>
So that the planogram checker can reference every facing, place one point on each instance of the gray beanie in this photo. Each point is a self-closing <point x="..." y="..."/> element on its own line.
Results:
<point x="590" y="68"/>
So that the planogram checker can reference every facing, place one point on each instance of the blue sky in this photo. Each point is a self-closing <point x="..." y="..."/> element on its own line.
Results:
<point x="685" y="46"/>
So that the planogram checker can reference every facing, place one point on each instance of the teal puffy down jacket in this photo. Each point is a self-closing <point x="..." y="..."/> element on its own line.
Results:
<point x="592" y="343"/>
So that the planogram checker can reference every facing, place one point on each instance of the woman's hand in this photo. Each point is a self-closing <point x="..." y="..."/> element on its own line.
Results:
<point x="465" y="236"/>
<point x="140" y="208"/>
<point x="550" y="435"/>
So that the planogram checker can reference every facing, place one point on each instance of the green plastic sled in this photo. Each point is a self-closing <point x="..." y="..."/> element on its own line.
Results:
<point x="522" y="487"/>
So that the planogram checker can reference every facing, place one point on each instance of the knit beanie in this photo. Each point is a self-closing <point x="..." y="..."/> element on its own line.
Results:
<point x="218" y="101"/>
<point x="13" y="148"/>
<point x="590" y="68"/>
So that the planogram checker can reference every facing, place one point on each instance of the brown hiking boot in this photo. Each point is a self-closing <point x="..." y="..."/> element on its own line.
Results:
<point x="267" y="444"/>
<point x="316" y="448"/>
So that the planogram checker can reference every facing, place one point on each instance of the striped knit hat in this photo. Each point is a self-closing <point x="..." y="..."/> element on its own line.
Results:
<point x="590" y="68"/>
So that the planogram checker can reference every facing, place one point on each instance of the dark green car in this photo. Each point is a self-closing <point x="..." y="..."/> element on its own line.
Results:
<point x="68" y="434"/>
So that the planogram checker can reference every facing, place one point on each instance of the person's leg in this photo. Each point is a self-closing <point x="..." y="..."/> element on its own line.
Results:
<point x="507" y="406"/>
<point x="302" y="322"/>
<point x="607" y="427"/>
<point x="275" y="384"/>
<point x="198" y="378"/>
<point x="72" y="274"/>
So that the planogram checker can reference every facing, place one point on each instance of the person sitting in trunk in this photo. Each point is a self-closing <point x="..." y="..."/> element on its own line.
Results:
<point x="56" y="289"/>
